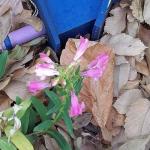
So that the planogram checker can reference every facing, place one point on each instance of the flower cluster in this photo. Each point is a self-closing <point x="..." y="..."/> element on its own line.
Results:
<point x="47" y="68"/>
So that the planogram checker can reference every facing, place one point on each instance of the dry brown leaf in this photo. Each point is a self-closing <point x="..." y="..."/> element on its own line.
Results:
<point x="118" y="140"/>
<point x="50" y="143"/>
<point x="144" y="34"/>
<point x="142" y="68"/>
<point x="137" y="122"/>
<point x="115" y="119"/>
<point x="121" y="76"/>
<point x="26" y="17"/>
<point x="137" y="9"/>
<point x="132" y="74"/>
<point x="133" y="28"/>
<point x="82" y="121"/>
<point x="124" y="101"/>
<point x="120" y="60"/>
<point x="4" y="83"/>
<point x="146" y="12"/>
<point x="97" y="95"/>
<point x="14" y="5"/>
<point x="125" y="3"/>
<point x="5" y="25"/>
<point x="116" y="23"/>
<point x="137" y="144"/>
<point x="131" y="85"/>
<point x="126" y="45"/>
<point x="4" y="102"/>
<point x="17" y="88"/>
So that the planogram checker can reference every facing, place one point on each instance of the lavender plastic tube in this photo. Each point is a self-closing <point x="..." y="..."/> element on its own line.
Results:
<point x="23" y="35"/>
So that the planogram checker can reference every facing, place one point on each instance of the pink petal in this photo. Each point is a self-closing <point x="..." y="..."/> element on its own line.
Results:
<point x="45" y="58"/>
<point x="36" y="86"/>
<point x="76" y="108"/>
<point x="81" y="48"/>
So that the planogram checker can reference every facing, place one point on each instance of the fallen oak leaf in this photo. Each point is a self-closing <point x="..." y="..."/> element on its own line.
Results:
<point x="137" y="9"/>
<point x="146" y="12"/>
<point x="17" y="88"/>
<point x="124" y="101"/>
<point x="100" y="100"/>
<point x="126" y="45"/>
<point x="116" y="23"/>
<point x="136" y="144"/>
<point x="138" y="119"/>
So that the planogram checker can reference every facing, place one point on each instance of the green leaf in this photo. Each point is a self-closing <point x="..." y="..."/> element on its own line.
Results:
<point x="18" y="100"/>
<point x="53" y="97"/>
<point x="44" y="126"/>
<point x="25" y="105"/>
<point x="25" y="121"/>
<point x="59" y="139"/>
<point x="3" y="62"/>
<point x="56" y="101"/>
<point x="5" y="145"/>
<point x="68" y="123"/>
<point x="19" y="140"/>
<point x="53" y="109"/>
<point x="40" y="108"/>
<point x="32" y="119"/>
<point x="78" y="85"/>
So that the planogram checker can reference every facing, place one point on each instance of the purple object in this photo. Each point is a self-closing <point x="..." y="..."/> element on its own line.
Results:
<point x="21" y="36"/>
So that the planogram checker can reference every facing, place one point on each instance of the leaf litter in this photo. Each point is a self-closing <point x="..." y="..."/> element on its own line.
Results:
<point x="118" y="104"/>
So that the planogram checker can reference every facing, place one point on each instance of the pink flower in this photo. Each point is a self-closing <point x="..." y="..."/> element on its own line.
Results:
<point x="36" y="86"/>
<point x="45" y="70"/>
<point x="45" y="58"/>
<point x="81" y="48"/>
<point x="76" y="108"/>
<point x="97" y="67"/>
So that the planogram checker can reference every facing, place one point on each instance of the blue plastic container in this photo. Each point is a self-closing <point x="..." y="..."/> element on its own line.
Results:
<point x="67" y="18"/>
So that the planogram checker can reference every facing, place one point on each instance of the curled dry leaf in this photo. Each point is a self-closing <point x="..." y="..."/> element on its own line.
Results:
<point x="126" y="45"/>
<point x="82" y="121"/>
<point x="5" y="25"/>
<point x="4" y="102"/>
<point x="4" y="83"/>
<point x="98" y="95"/>
<point x="131" y="85"/>
<point x="137" y="9"/>
<point x="26" y="17"/>
<point x="121" y="76"/>
<point x="116" y="23"/>
<point x="138" y="119"/>
<point x="146" y="12"/>
<point x="142" y="68"/>
<point x="124" y="101"/>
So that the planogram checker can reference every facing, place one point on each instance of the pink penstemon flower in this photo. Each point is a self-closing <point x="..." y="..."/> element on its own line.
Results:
<point x="97" y="67"/>
<point x="45" y="69"/>
<point x="81" y="48"/>
<point x="76" y="108"/>
<point x="45" y="58"/>
<point x="36" y="86"/>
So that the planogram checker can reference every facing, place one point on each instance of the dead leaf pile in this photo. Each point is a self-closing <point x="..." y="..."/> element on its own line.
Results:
<point x="13" y="14"/>
<point x="129" y="39"/>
